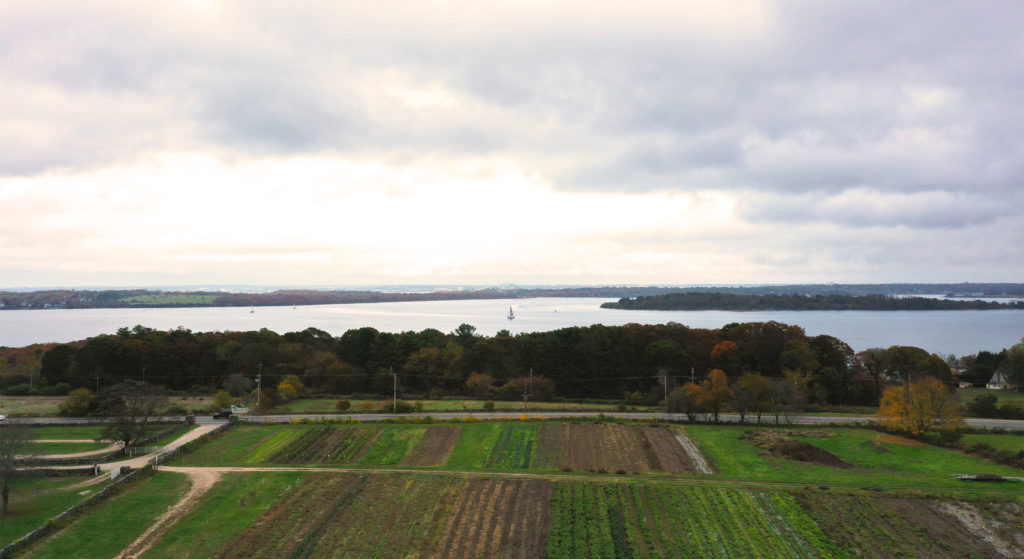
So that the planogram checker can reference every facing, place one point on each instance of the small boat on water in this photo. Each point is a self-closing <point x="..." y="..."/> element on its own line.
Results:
<point x="511" y="315"/>
<point x="251" y="309"/>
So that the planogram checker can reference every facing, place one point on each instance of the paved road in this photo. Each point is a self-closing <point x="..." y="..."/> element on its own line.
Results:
<point x="1007" y="424"/>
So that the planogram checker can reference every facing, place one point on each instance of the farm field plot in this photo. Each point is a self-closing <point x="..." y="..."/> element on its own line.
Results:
<point x="917" y="527"/>
<point x="598" y="520"/>
<point x="367" y="445"/>
<point x="391" y="515"/>
<point x="573" y="446"/>
<point x="600" y="447"/>
<point x="875" y="458"/>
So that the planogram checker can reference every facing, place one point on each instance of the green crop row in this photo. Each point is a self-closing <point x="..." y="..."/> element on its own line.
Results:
<point x="611" y="521"/>
<point x="514" y="448"/>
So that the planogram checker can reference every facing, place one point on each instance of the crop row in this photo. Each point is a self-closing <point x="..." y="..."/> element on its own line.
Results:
<point x="514" y="447"/>
<point x="594" y="520"/>
<point x="325" y="445"/>
<point x="393" y="515"/>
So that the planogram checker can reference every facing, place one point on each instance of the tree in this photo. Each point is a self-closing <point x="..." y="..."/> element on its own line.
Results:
<point x="15" y="444"/>
<point x="78" y="403"/>
<point x="685" y="400"/>
<point x="136" y="408"/>
<point x="752" y="394"/>
<point x="290" y="388"/>
<point x="715" y="393"/>
<point x="480" y="385"/>
<point x="919" y="406"/>
<point x="222" y="400"/>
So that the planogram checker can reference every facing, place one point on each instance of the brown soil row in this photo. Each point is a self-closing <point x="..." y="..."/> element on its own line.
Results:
<point x="601" y="447"/>
<point x="504" y="518"/>
<point x="434" y="447"/>
<point x="391" y="515"/>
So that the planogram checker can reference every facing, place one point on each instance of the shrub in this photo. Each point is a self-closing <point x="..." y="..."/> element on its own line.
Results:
<point x="489" y="406"/>
<point x="342" y="405"/>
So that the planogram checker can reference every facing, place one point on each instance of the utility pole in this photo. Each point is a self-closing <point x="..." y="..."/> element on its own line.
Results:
<point x="527" y="389"/>
<point x="259" y="386"/>
<point x="664" y="382"/>
<point x="394" y="397"/>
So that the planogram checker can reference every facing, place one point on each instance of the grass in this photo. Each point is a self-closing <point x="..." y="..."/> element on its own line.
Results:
<point x="49" y="406"/>
<point x="34" y="501"/>
<point x="115" y="523"/>
<point x="44" y="449"/>
<point x="232" y="505"/>
<point x="965" y="395"/>
<point x="474" y="445"/>
<point x="30" y="405"/>
<point x="84" y="432"/>
<point x="1013" y="443"/>
<point x="907" y="464"/>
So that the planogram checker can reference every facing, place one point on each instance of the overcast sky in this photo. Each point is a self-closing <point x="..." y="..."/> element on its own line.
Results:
<point x="341" y="143"/>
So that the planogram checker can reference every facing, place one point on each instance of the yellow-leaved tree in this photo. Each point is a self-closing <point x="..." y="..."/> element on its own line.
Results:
<point x="919" y="406"/>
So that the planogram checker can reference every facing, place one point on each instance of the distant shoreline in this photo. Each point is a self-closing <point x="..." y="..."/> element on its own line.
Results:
<point x="765" y="297"/>
<point x="772" y="302"/>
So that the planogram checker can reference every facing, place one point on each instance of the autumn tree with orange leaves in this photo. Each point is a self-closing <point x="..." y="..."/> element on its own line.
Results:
<point x="919" y="406"/>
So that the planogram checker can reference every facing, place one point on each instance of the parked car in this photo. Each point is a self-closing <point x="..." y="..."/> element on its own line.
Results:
<point x="222" y="414"/>
<point x="2" y="417"/>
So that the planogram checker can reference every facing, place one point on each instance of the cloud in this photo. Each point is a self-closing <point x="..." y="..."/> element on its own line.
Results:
<point x="829" y="119"/>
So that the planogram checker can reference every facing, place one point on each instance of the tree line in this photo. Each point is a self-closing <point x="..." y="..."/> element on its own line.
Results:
<point x="636" y="363"/>
<point x="694" y="301"/>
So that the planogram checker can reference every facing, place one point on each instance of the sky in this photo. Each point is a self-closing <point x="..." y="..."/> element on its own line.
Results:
<point x="525" y="142"/>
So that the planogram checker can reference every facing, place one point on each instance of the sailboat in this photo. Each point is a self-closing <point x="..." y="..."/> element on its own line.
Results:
<point x="511" y="315"/>
<point x="251" y="310"/>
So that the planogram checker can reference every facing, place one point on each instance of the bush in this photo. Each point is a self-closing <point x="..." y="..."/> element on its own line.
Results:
<point x="342" y="405"/>
<point x="18" y="390"/>
<point x="59" y="389"/>
<point x="401" y="406"/>
<point x="488" y="406"/>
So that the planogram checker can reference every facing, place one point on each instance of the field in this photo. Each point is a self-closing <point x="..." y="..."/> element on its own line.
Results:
<point x="965" y="395"/>
<point x="49" y="406"/>
<point x="497" y="446"/>
<point x="564" y="490"/>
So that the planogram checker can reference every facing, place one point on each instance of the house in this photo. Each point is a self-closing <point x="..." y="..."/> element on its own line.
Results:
<point x="999" y="382"/>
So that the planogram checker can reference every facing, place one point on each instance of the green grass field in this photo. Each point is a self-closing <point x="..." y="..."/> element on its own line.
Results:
<point x="878" y="459"/>
<point x="34" y="501"/>
<point x="965" y="395"/>
<point x="114" y="524"/>
<point x="230" y="507"/>
<point x="45" y="449"/>
<point x="1013" y="443"/>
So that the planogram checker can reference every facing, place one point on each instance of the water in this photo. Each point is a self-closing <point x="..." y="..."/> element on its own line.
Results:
<point x="943" y="332"/>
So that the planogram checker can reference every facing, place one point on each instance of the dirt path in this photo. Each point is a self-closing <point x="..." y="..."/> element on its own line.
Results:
<point x="202" y="480"/>
<point x="693" y="452"/>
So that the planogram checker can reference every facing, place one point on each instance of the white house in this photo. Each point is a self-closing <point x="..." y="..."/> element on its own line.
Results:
<point x="999" y="382"/>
